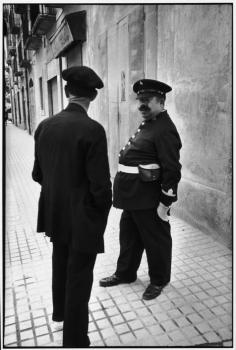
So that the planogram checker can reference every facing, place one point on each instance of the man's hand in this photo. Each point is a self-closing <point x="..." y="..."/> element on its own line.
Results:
<point x="162" y="211"/>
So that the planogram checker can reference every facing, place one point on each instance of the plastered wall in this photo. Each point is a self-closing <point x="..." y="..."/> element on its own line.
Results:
<point x="194" y="55"/>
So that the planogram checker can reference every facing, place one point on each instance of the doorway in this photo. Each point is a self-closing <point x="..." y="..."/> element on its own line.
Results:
<point x="53" y="96"/>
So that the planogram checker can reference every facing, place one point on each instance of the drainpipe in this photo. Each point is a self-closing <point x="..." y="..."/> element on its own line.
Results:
<point x="27" y="98"/>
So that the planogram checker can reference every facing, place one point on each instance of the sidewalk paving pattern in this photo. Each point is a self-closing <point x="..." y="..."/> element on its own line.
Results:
<point x="194" y="309"/>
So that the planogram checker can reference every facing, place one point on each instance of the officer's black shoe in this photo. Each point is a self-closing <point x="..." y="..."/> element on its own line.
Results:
<point x="113" y="280"/>
<point x="152" y="292"/>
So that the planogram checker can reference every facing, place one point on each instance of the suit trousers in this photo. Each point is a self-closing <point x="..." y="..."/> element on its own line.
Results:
<point x="72" y="279"/>
<point x="139" y="230"/>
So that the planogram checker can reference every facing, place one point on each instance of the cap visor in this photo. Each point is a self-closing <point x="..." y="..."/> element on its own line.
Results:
<point x="146" y="94"/>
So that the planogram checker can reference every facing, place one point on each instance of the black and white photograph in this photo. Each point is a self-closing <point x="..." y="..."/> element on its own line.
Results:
<point x="117" y="174"/>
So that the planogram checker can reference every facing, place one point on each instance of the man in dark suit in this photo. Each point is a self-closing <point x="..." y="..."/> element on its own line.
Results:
<point x="145" y="187"/>
<point x="71" y="165"/>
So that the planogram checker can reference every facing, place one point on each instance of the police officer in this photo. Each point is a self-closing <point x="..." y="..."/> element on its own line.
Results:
<point x="145" y="186"/>
<point x="71" y="165"/>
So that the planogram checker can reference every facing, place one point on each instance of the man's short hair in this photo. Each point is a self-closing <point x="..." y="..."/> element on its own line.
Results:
<point x="161" y="99"/>
<point x="77" y="91"/>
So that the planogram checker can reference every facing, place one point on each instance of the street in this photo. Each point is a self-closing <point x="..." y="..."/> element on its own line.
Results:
<point x="194" y="309"/>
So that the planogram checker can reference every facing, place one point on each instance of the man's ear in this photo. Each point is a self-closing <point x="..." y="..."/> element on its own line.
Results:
<point x="66" y="91"/>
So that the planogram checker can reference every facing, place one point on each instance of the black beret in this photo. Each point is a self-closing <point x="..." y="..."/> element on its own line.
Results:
<point x="82" y="77"/>
<point x="150" y="86"/>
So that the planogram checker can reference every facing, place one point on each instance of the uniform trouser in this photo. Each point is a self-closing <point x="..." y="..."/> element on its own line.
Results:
<point x="139" y="230"/>
<point x="72" y="279"/>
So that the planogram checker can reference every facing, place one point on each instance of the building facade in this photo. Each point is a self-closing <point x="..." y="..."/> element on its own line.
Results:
<point x="187" y="46"/>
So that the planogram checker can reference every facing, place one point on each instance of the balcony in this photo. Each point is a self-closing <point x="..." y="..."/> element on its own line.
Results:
<point x="44" y="21"/>
<point x="20" y="8"/>
<point x="18" y="73"/>
<point x="33" y="42"/>
<point x="25" y="63"/>
<point x="9" y="61"/>
<point x="14" y="29"/>
<point x="12" y="50"/>
<point x="22" y="58"/>
<point x="14" y="24"/>
<point x="11" y="40"/>
<point x="71" y="30"/>
<point x="25" y="29"/>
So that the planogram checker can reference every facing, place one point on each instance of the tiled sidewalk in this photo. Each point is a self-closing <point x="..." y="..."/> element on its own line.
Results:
<point x="194" y="309"/>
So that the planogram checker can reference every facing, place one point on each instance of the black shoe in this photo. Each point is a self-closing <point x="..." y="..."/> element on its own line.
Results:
<point x="58" y="318"/>
<point x="152" y="291"/>
<point x="113" y="280"/>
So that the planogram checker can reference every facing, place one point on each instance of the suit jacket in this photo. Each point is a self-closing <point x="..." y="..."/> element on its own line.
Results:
<point x="156" y="141"/>
<point x="71" y="164"/>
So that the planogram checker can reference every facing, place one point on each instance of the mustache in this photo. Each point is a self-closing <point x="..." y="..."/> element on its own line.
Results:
<point x="144" y="108"/>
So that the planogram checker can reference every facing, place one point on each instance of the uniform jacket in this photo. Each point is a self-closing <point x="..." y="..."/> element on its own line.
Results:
<point x="71" y="164"/>
<point x="156" y="141"/>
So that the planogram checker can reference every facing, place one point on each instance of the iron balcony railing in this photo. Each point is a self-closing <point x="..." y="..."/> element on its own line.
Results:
<point x="20" y="8"/>
<point x="14" y="22"/>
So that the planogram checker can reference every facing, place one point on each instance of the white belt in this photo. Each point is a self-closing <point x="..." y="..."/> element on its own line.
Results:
<point x="128" y="169"/>
<point x="134" y="169"/>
